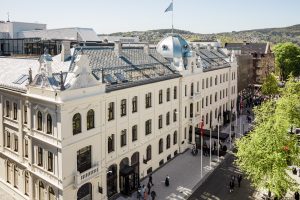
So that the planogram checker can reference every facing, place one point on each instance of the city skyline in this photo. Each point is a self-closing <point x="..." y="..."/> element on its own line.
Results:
<point x="120" y="16"/>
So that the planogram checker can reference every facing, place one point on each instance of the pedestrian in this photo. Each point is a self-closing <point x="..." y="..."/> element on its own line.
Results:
<point x="233" y="179"/>
<point x="139" y="192"/>
<point x="167" y="181"/>
<point x="150" y="180"/>
<point x="149" y="187"/>
<point x="296" y="195"/>
<point x="239" y="179"/>
<point x="143" y="191"/>
<point x="145" y="195"/>
<point x="231" y="186"/>
<point x="153" y="195"/>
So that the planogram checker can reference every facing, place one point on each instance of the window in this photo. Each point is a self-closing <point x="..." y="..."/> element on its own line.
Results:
<point x="111" y="111"/>
<point x="202" y="102"/>
<point x="168" y="118"/>
<point x="185" y="130"/>
<point x="7" y="109"/>
<point x="168" y="141"/>
<point x="185" y="112"/>
<point x="134" y="104"/>
<point x="206" y="121"/>
<point x="16" y="177"/>
<point x="8" y="139"/>
<point x="160" y="97"/>
<point x="210" y="99"/>
<point x="51" y="194"/>
<point x="198" y="86"/>
<point x="202" y="83"/>
<point x="160" y="146"/>
<point x="111" y="143"/>
<point x="148" y="153"/>
<point x="160" y="123"/>
<point x="192" y="89"/>
<point x="148" y="100"/>
<point x="39" y="121"/>
<point x="50" y="161"/>
<point x="27" y="183"/>
<point x="123" y="138"/>
<point x="26" y="148"/>
<point x="216" y="113"/>
<point x="15" y="111"/>
<point x="216" y="80"/>
<point x="210" y="81"/>
<point x="175" y="92"/>
<point x="226" y="92"/>
<point x="168" y="94"/>
<point x="16" y="143"/>
<point x="223" y="93"/>
<point x="41" y="191"/>
<point x="76" y="124"/>
<point x="134" y="133"/>
<point x="161" y="162"/>
<point x="123" y="107"/>
<point x="220" y="78"/>
<point x="148" y="127"/>
<point x="90" y="119"/>
<point x="40" y="157"/>
<point x="206" y="101"/>
<point x="216" y="96"/>
<point x="8" y="173"/>
<point x="84" y="159"/>
<point x="174" y="115"/>
<point x="49" y="124"/>
<point x="25" y="114"/>
<point x="206" y="82"/>
<point x="226" y="76"/>
<point x="175" y="138"/>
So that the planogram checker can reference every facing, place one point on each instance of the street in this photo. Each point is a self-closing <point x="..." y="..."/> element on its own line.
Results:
<point x="216" y="186"/>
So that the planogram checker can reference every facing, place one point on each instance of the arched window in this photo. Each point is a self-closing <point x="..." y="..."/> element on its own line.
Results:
<point x="168" y="141"/>
<point x="175" y="138"/>
<point x="39" y="121"/>
<point x="148" y="153"/>
<point x="90" y="119"/>
<point x="41" y="191"/>
<point x="51" y="194"/>
<point x="85" y="192"/>
<point x="49" y="124"/>
<point x="160" y="146"/>
<point x="110" y="143"/>
<point x="76" y="124"/>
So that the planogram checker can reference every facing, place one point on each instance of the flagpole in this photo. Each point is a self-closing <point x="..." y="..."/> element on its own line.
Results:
<point x="218" y="141"/>
<point x="210" y="148"/>
<point x="172" y="15"/>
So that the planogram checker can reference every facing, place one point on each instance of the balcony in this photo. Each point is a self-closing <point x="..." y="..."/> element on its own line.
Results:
<point x="196" y="96"/>
<point x="87" y="175"/>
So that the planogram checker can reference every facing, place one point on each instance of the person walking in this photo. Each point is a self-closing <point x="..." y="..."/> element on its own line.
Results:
<point x="239" y="179"/>
<point x="149" y="187"/>
<point x="145" y="195"/>
<point x="143" y="191"/>
<point x="230" y="186"/>
<point x="167" y="181"/>
<point x="139" y="192"/>
<point x="153" y="195"/>
<point x="233" y="179"/>
<point x="297" y="196"/>
<point x="150" y="180"/>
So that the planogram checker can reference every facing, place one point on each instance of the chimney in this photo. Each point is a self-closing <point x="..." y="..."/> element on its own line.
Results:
<point x="65" y="51"/>
<point x="118" y="48"/>
<point x="147" y="49"/>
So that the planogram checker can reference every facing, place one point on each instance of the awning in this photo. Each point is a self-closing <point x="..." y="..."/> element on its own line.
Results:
<point x="214" y="134"/>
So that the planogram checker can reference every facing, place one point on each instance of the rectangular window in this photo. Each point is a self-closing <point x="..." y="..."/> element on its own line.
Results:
<point x="84" y="159"/>
<point x="16" y="143"/>
<point x="15" y="111"/>
<point x="206" y="82"/>
<point x="185" y="133"/>
<point x="168" y="94"/>
<point x="8" y="141"/>
<point x="148" y="127"/>
<point x="216" y="80"/>
<point x="175" y="92"/>
<point x="123" y="138"/>
<point x="210" y="99"/>
<point x="220" y="78"/>
<point x="226" y="92"/>
<point x="202" y="102"/>
<point x="50" y="161"/>
<point x="223" y="93"/>
<point x="197" y="106"/>
<point x="123" y="107"/>
<point x="160" y="97"/>
<point x="16" y="177"/>
<point x="40" y="156"/>
<point x="111" y="111"/>
<point x="198" y="89"/>
<point x="148" y="100"/>
<point x="226" y="76"/>
<point x="7" y="109"/>
<point x="185" y="112"/>
<point x="134" y="133"/>
<point x="25" y="148"/>
<point x="174" y="115"/>
<point x="160" y="122"/>
<point x="210" y="82"/>
<point x="185" y="90"/>
<point x="134" y="104"/>
<point x="111" y="143"/>
<point x="216" y="96"/>
<point x="27" y="183"/>
<point x="25" y="114"/>
<point x="168" y="118"/>
<point x="202" y="83"/>
<point x="206" y="101"/>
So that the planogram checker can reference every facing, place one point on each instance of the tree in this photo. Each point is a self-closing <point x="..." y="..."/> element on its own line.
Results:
<point x="287" y="59"/>
<point x="264" y="155"/>
<point x="270" y="85"/>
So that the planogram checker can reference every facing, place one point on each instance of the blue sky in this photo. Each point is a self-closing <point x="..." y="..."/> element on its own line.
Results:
<point x="202" y="16"/>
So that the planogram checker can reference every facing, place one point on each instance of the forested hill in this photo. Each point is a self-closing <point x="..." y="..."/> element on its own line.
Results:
<point x="273" y="35"/>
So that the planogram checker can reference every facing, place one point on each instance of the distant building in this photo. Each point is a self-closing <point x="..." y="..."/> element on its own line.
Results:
<point x="206" y="44"/>
<point x="112" y="39"/>
<point x="257" y="65"/>
<point x="20" y="38"/>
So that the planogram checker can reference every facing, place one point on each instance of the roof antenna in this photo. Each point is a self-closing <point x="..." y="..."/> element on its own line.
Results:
<point x="7" y="17"/>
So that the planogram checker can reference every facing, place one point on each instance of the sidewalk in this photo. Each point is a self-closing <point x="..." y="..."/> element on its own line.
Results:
<point x="184" y="172"/>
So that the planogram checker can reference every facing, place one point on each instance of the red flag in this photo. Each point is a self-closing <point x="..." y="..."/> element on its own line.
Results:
<point x="202" y="128"/>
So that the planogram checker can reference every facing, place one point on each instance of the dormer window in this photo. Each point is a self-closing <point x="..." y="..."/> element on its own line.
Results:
<point x="165" y="47"/>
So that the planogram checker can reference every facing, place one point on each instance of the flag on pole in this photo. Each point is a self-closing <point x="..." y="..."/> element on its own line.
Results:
<point x="170" y="8"/>
<point x="202" y="128"/>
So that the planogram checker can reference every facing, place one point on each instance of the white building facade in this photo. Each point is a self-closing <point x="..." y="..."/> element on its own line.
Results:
<point x="114" y="115"/>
